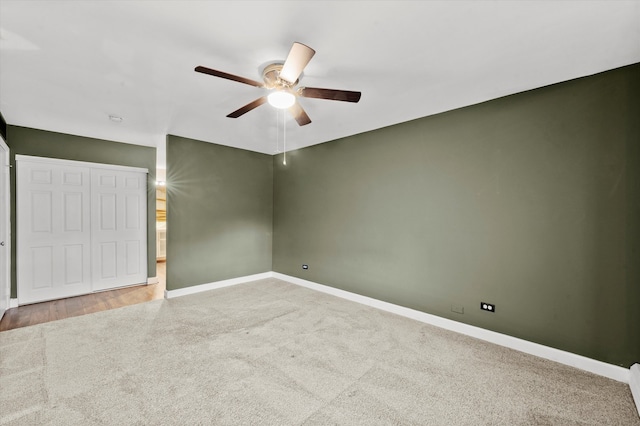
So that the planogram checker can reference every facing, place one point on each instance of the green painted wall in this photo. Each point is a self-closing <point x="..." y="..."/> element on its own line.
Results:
<point x="530" y="202"/>
<point x="26" y="141"/>
<point x="219" y="212"/>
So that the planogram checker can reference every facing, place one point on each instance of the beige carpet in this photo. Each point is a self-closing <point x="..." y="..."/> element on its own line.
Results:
<point x="272" y="353"/>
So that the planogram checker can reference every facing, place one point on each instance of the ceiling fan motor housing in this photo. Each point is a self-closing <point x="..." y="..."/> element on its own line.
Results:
<point x="271" y="77"/>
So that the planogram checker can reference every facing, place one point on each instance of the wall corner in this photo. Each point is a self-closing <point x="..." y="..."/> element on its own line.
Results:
<point x="634" y="384"/>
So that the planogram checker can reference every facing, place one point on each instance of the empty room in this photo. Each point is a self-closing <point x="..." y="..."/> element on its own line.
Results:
<point x="319" y="212"/>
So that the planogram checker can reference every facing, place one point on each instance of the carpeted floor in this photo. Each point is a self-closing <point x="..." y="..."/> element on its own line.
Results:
<point x="272" y="353"/>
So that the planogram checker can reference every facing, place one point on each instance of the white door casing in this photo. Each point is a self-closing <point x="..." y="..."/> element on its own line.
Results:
<point x="118" y="228"/>
<point x="81" y="227"/>
<point x="161" y="241"/>
<point x="5" y="227"/>
<point x="54" y="240"/>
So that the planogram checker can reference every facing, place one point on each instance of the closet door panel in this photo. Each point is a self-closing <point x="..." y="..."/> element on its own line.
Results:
<point x="107" y="263"/>
<point x="40" y="270"/>
<point x="74" y="261"/>
<point x="119" y="230"/>
<point x="54" y="243"/>
<point x="41" y="210"/>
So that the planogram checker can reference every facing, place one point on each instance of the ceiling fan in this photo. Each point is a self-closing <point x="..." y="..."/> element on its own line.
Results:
<point x="281" y="79"/>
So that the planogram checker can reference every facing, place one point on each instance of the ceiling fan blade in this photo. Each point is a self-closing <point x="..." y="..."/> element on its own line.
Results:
<point x="299" y="114"/>
<point x="248" y="107"/>
<point x="228" y="76"/>
<point x="331" y="94"/>
<point x="298" y="58"/>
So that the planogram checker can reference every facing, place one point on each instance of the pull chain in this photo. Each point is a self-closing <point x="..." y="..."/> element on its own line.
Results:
<point x="284" y="138"/>
<point x="284" y="135"/>
<point x="277" y="130"/>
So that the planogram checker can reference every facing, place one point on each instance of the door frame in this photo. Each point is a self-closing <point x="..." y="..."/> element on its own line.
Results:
<point x="5" y="217"/>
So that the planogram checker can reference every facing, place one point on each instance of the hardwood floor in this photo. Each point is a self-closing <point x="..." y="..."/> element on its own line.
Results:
<point x="38" y="313"/>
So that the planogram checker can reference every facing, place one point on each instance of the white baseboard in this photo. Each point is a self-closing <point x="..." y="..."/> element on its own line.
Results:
<point x="169" y="294"/>
<point x="634" y="384"/>
<point x="152" y="280"/>
<point x="13" y="303"/>
<point x="611" y="371"/>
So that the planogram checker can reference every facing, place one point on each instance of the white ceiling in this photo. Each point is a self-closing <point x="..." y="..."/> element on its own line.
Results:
<point x="67" y="65"/>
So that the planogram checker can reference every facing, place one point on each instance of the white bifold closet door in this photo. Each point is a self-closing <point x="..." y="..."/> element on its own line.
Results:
<point x="118" y="228"/>
<point x="54" y="238"/>
<point x="81" y="228"/>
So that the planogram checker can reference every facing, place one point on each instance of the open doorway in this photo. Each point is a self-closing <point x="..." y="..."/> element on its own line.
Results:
<point x="5" y="238"/>
<point x="161" y="225"/>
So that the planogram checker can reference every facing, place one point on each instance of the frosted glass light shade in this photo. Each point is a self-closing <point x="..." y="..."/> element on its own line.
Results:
<point x="281" y="99"/>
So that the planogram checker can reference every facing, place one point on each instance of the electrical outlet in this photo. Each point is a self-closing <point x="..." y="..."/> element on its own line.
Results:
<point x="305" y="267"/>
<point x="457" y="308"/>
<point x="487" y="307"/>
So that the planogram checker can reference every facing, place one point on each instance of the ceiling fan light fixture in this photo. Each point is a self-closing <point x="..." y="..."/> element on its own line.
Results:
<point x="281" y="99"/>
